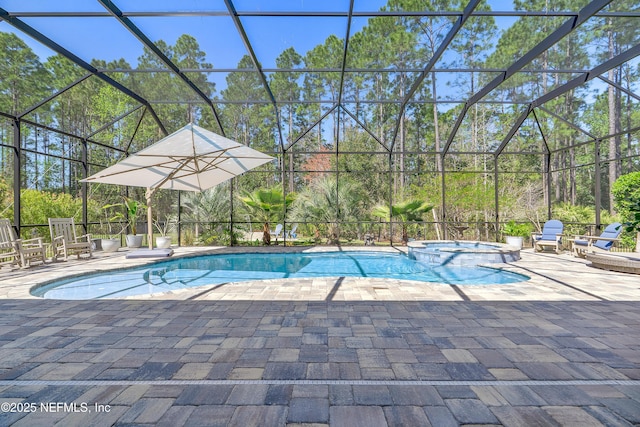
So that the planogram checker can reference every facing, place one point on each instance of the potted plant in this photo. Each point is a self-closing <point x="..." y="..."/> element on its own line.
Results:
<point x="164" y="228"/>
<point x="515" y="233"/>
<point x="111" y="243"/>
<point x="133" y="208"/>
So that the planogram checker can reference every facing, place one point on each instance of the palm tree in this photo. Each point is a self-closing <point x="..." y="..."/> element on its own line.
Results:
<point x="267" y="206"/>
<point x="324" y="202"/>
<point x="406" y="211"/>
<point x="207" y="208"/>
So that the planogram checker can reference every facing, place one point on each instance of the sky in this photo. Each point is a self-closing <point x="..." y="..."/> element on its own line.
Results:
<point x="216" y="35"/>
<point x="105" y="38"/>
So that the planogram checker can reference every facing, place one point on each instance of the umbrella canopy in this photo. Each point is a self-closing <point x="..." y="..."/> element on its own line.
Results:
<point x="191" y="159"/>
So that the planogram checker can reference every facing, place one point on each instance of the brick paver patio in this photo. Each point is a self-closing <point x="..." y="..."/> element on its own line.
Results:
<point x="560" y="349"/>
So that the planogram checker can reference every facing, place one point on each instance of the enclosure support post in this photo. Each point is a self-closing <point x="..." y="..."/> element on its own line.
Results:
<point x="17" y="166"/>
<point x="148" y="195"/>
<point x="85" y="186"/>
<point x="283" y="181"/>
<point x="231" y="239"/>
<point x="390" y="198"/>
<point x="495" y="190"/>
<point x="547" y="165"/>
<point x="179" y="216"/>
<point x="338" y="216"/>
<point x="445" y="232"/>
<point x="597" y="184"/>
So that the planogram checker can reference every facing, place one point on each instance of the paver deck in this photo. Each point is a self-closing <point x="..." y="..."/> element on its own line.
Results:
<point x="560" y="349"/>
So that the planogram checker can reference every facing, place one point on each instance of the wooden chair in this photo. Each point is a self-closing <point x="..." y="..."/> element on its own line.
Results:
<point x="551" y="236"/>
<point x="9" y="254"/>
<point x="581" y="245"/>
<point x="18" y="251"/>
<point x="64" y="240"/>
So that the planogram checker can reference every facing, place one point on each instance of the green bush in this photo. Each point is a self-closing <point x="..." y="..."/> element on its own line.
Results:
<point x="575" y="216"/>
<point x="514" y="229"/>
<point x="626" y="195"/>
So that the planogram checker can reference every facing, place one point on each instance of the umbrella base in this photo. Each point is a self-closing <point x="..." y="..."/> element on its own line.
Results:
<point x="150" y="253"/>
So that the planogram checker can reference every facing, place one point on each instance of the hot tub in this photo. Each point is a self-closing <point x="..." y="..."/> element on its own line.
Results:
<point x="461" y="252"/>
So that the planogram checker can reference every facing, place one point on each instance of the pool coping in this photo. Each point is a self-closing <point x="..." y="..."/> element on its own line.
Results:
<point x="14" y="285"/>
<point x="273" y="280"/>
<point x="552" y="277"/>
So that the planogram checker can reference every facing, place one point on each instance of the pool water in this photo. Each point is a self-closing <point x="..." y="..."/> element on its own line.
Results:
<point x="216" y="269"/>
<point x="461" y="245"/>
<point x="456" y="253"/>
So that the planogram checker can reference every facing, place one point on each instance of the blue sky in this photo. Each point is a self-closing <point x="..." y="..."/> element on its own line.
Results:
<point x="108" y="40"/>
<point x="105" y="38"/>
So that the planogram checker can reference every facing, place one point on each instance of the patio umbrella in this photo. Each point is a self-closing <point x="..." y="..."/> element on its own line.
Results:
<point x="191" y="159"/>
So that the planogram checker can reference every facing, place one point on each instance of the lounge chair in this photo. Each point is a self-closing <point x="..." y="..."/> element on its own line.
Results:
<point x="275" y="234"/>
<point x="551" y="236"/>
<point x="622" y="262"/>
<point x="293" y="232"/>
<point x="64" y="240"/>
<point x="581" y="245"/>
<point x="18" y="251"/>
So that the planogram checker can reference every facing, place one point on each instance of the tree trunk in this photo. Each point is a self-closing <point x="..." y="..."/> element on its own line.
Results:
<point x="556" y="179"/>
<point x="266" y="234"/>
<point x="435" y="124"/>
<point x="402" y="140"/>
<point x="572" y="176"/>
<point x="614" y="142"/>
<point x="291" y="168"/>
<point x="628" y="126"/>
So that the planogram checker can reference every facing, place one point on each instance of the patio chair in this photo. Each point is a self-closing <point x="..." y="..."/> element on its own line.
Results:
<point x="18" y="251"/>
<point x="551" y="236"/>
<point x="9" y="254"/>
<point x="293" y="232"/>
<point x="275" y="234"/>
<point x="581" y="245"/>
<point x="64" y="240"/>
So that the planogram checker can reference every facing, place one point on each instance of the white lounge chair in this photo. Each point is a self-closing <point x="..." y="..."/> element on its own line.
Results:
<point x="64" y="240"/>
<point x="293" y="232"/>
<point x="18" y="251"/>
<point x="277" y="233"/>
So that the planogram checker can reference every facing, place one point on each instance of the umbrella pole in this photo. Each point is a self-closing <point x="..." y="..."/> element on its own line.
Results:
<point x="149" y="193"/>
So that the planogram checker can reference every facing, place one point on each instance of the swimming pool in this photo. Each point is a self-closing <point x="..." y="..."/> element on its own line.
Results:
<point x="215" y="269"/>
<point x="461" y="253"/>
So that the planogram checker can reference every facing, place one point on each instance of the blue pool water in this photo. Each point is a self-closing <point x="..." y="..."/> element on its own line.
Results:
<point x="461" y="245"/>
<point x="216" y="269"/>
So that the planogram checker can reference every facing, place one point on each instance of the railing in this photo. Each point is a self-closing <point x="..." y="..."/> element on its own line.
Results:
<point x="351" y="233"/>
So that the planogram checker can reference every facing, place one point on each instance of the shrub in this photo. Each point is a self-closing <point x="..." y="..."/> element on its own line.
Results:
<point x="512" y="228"/>
<point x="626" y="195"/>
